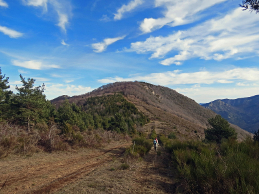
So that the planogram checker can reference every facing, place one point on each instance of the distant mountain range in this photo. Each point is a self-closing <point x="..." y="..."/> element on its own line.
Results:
<point x="166" y="109"/>
<point x="243" y="112"/>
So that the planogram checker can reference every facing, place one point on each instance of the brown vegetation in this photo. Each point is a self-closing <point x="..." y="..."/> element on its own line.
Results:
<point x="16" y="140"/>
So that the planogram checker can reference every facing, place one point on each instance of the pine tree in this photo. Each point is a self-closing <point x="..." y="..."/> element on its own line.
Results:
<point x="5" y="96"/>
<point x="253" y="5"/>
<point x="29" y="105"/>
<point x="220" y="129"/>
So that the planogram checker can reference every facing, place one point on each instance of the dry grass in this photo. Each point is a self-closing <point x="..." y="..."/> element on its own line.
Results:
<point x="16" y="140"/>
<point x="149" y="175"/>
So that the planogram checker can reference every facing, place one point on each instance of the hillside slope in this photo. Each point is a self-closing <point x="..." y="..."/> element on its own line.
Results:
<point x="243" y="112"/>
<point x="176" y="112"/>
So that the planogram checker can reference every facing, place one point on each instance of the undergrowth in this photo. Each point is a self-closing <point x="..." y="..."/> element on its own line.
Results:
<point x="229" y="167"/>
<point x="140" y="147"/>
<point x="17" y="140"/>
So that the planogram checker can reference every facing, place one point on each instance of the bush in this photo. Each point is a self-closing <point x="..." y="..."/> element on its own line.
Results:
<point x="171" y="136"/>
<point x="164" y="141"/>
<point x="142" y="146"/>
<point x="231" y="167"/>
<point x="124" y="166"/>
<point x="153" y="134"/>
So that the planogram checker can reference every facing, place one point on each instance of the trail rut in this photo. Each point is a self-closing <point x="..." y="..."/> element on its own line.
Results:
<point x="49" y="176"/>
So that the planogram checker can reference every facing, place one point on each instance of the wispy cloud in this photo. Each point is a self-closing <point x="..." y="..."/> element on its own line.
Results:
<point x="69" y="81"/>
<point x="208" y="94"/>
<point x="11" y="33"/>
<point x="22" y="71"/>
<point x="41" y="79"/>
<point x="202" y="77"/>
<point x="62" y="8"/>
<point x="32" y="64"/>
<point x="63" y="21"/>
<point x="3" y="3"/>
<point x="177" y="13"/>
<point x="234" y="83"/>
<point x="54" y="90"/>
<point x="101" y="46"/>
<point x="215" y="39"/>
<point x="105" y="18"/>
<point x="63" y="43"/>
<point x="127" y="8"/>
<point x="36" y="3"/>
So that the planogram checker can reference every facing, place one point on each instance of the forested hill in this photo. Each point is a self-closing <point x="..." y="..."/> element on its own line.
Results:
<point x="158" y="103"/>
<point x="243" y="112"/>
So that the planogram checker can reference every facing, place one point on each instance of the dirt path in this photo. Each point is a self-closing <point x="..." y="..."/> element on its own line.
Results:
<point x="148" y="175"/>
<point x="46" y="173"/>
<point x="94" y="171"/>
<point x="156" y="175"/>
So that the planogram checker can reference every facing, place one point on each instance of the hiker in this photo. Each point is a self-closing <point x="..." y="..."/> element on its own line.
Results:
<point x="155" y="143"/>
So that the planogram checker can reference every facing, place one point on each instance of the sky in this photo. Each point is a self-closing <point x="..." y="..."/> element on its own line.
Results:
<point x="205" y="50"/>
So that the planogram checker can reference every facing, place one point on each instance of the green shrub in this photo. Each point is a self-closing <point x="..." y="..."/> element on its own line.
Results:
<point x="153" y="134"/>
<point x="112" y="169"/>
<point x="231" y="167"/>
<point x="171" y="136"/>
<point x="164" y="141"/>
<point x="142" y="146"/>
<point x="124" y="166"/>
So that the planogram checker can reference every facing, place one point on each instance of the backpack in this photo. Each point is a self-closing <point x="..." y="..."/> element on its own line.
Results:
<point x="154" y="141"/>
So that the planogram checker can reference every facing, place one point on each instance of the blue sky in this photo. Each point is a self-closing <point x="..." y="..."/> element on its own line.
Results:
<point x="203" y="49"/>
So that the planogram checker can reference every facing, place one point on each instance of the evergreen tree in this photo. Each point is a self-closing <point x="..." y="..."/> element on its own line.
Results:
<point x="5" y="96"/>
<point x="220" y="129"/>
<point x="29" y="105"/>
<point x="253" y="5"/>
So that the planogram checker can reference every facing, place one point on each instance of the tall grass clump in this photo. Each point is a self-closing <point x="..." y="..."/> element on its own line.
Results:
<point x="141" y="146"/>
<point x="230" y="167"/>
<point x="165" y="142"/>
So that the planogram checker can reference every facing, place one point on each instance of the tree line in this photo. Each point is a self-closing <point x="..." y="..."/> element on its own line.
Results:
<point x="29" y="107"/>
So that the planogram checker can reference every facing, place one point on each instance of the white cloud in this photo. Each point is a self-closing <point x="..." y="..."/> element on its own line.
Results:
<point x="62" y="8"/>
<point x="63" y="21"/>
<point x="41" y="79"/>
<point x="215" y="39"/>
<point x="56" y="75"/>
<point x="127" y="8"/>
<point x="105" y="18"/>
<point x="234" y="83"/>
<point x="202" y="77"/>
<point x="63" y="43"/>
<point x="101" y="46"/>
<point x="54" y="90"/>
<point x="208" y="94"/>
<point x="32" y="64"/>
<point x="3" y="3"/>
<point x="11" y="33"/>
<point x="69" y="81"/>
<point x="178" y="13"/>
<point x="36" y="3"/>
<point x="22" y="71"/>
<point x="14" y="83"/>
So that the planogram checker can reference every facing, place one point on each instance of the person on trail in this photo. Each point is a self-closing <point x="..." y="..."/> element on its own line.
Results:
<point x="155" y="143"/>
